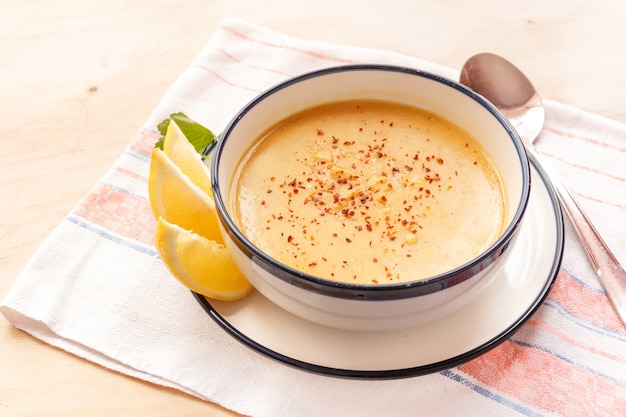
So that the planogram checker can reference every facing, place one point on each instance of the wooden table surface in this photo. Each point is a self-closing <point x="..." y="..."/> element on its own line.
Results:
<point x="78" y="79"/>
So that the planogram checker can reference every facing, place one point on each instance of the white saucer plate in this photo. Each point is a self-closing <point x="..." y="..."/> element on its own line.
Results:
<point x="522" y="282"/>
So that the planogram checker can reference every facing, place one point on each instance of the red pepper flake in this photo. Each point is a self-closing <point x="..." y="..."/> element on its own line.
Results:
<point x="348" y="240"/>
<point x="269" y="191"/>
<point x="440" y="161"/>
<point x="312" y="264"/>
<point x="375" y="260"/>
<point x="290" y="239"/>
<point x="320" y="132"/>
<point x="434" y="177"/>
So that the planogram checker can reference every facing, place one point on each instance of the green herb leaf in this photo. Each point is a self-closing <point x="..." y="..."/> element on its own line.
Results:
<point x="199" y="136"/>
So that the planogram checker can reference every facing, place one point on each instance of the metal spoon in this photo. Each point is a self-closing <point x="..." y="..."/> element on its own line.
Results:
<point x="509" y="90"/>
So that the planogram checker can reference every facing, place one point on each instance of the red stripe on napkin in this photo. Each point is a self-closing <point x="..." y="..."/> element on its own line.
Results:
<point x="308" y="52"/>
<point x="113" y="206"/>
<point x="144" y="141"/>
<point x="120" y="212"/>
<point x="585" y="302"/>
<point x="593" y="141"/>
<point x="520" y="372"/>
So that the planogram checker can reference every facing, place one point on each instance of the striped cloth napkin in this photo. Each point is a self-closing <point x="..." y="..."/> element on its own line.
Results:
<point x="97" y="288"/>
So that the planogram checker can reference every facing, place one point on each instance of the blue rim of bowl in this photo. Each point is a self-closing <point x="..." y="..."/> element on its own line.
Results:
<point x="368" y="292"/>
<point x="420" y="370"/>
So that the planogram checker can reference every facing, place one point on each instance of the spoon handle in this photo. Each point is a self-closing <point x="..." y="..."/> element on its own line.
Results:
<point x="610" y="273"/>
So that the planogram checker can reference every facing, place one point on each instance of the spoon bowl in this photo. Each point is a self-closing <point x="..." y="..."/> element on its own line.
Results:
<point x="513" y="94"/>
<point x="509" y="90"/>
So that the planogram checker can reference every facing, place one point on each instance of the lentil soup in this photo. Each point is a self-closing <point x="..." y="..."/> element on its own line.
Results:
<point x="369" y="192"/>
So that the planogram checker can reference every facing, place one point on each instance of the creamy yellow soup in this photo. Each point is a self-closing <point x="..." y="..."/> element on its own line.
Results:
<point x="369" y="192"/>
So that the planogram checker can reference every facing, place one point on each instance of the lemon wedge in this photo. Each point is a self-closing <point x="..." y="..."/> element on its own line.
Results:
<point x="183" y="154"/>
<point x="202" y="265"/>
<point x="178" y="200"/>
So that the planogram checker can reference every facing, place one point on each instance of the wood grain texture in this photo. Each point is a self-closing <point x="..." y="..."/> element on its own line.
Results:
<point x="78" y="79"/>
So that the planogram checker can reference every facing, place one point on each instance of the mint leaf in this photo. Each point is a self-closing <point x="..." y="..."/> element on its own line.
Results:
<point x="199" y="136"/>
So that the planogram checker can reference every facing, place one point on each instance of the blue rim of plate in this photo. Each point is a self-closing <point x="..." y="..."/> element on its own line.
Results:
<point x="421" y="369"/>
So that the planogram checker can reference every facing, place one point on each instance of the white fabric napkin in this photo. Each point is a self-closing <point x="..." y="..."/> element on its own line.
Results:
<point x="97" y="288"/>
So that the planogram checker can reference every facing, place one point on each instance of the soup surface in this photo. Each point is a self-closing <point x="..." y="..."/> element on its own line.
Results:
<point x="369" y="192"/>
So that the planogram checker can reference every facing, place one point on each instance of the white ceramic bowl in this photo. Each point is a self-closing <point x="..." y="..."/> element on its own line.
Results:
<point x="358" y="306"/>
